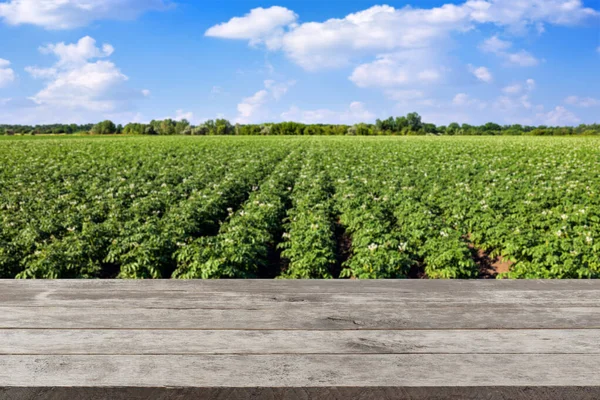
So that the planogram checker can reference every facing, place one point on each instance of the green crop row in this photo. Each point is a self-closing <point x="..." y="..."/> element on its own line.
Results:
<point x="300" y="207"/>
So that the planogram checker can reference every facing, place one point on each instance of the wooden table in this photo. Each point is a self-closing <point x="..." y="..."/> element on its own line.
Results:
<point x="299" y="339"/>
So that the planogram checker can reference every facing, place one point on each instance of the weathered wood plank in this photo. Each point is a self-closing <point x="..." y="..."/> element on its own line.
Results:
<point x="306" y="393"/>
<point x="295" y="316"/>
<point x="299" y="340"/>
<point x="303" y="286"/>
<point x="414" y="370"/>
<point x="123" y="342"/>
<point x="143" y="297"/>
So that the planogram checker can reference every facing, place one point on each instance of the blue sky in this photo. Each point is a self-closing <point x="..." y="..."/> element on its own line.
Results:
<point x="473" y="61"/>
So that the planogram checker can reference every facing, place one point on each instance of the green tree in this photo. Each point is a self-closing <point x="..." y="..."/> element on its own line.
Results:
<point x="223" y="127"/>
<point x="104" y="128"/>
<point x="414" y="122"/>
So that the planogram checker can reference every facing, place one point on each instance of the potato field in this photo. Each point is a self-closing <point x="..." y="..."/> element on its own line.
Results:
<point x="299" y="207"/>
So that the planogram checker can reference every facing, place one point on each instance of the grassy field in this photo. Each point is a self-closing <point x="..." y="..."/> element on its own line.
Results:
<point x="299" y="207"/>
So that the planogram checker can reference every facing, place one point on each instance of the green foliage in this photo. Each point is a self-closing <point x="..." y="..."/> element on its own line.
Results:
<point x="412" y="125"/>
<point x="235" y="207"/>
<point x="241" y="248"/>
<point x="309" y="243"/>
<point x="104" y="128"/>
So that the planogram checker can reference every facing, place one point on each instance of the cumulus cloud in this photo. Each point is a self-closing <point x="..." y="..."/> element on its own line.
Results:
<point x="379" y="29"/>
<point x="41" y="73"/>
<point x="7" y="75"/>
<point x="520" y="14"/>
<point x="278" y="89"/>
<point x="495" y="45"/>
<point x="481" y="73"/>
<point x="397" y="69"/>
<point x="522" y="59"/>
<point x="67" y="14"/>
<point x="355" y="113"/>
<point x="560" y="116"/>
<point x="88" y="86"/>
<point x="463" y="100"/>
<point x="513" y="89"/>
<point x="584" y="102"/>
<point x="181" y="115"/>
<point x="81" y="80"/>
<point x="260" y="26"/>
<point x="518" y="88"/>
<point x="250" y="106"/>
<point x="530" y="84"/>
<point x="252" y="109"/>
<point x="384" y="29"/>
<point x="499" y="47"/>
<point x="77" y="53"/>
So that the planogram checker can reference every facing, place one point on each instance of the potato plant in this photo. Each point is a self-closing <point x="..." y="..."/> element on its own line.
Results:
<point x="299" y="207"/>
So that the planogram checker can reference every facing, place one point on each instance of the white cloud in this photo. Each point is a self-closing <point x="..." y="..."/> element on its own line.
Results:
<point x="216" y="90"/>
<point x="397" y="69"/>
<point x="530" y="84"/>
<point x="584" y="102"/>
<point x="260" y="26"/>
<point x="560" y="116"/>
<point x="88" y="87"/>
<point x="520" y="14"/>
<point x="522" y="59"/>
<point x="250" y="106"/>
<point x="67" y="14"/>
<point x="7" y="75"/>
<point x="463" y="99"/>
<point x="355" y="113"/>
<point x="146" y="93"/>
<point x="495" y="45"/>
<point x="384" y="29"/>
<point x="525" y="102"/>
<point x="77" y="53"/>
<point x="429" y="75"/>
<point x="405" y="95"/>
<point x="513" y="89"/>
<point x="278" y="89"/>
<point x="482" y="73"/>
<point x="517" y="88"/>
<point x="79" y="83"/>
<point x="252" y="109"/>
<point x="379" y="29"/>
<point x="181" y="115"/>
<point x="540" y="28"/>
<point x="41" y="73"/>
<point x="383" y="72"/>
<point x="4" y="101"/>
<point x="500" y="48"/>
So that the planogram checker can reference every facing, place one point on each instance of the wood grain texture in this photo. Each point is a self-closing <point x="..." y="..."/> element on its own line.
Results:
<point x="363" y="370"/>
<point x="190" y="298"/>
<point x="185" y="342"/>
<point x="304" y="317"/>
<point x="299" y="339"/>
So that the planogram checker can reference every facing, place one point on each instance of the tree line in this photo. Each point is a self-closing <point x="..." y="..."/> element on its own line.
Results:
<point x="411" y="124"/>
